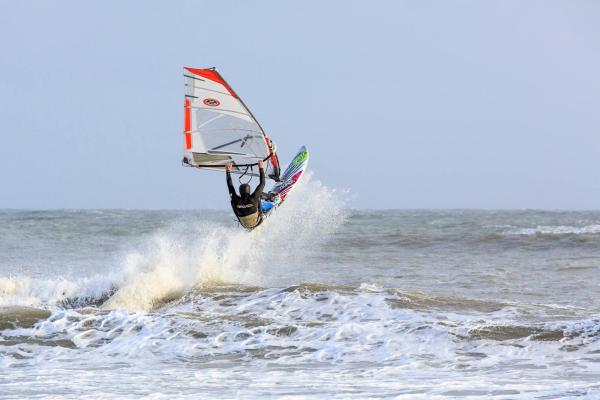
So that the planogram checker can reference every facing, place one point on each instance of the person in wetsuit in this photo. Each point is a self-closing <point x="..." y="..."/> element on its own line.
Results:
<point x="246" y="206"/>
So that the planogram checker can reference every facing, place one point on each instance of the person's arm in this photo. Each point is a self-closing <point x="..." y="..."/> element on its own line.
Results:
<point x="228" y="169"/>
<point x="261" y="185"/>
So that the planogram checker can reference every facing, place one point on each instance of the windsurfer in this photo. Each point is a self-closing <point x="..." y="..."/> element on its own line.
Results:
<point x="246" y="206"/>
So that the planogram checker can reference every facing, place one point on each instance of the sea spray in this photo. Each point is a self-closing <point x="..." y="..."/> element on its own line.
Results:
<point x="203" y="253"/>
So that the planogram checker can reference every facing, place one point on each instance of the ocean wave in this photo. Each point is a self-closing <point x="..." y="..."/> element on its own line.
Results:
<point x="556" y="230"/>
<point x="423" y="301"/>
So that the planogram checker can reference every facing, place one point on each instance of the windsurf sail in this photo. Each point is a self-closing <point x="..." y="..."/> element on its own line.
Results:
<point x="219" y="128"/>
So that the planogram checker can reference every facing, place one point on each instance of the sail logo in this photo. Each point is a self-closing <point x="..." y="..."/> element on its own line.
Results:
<point x="212" y="102"/>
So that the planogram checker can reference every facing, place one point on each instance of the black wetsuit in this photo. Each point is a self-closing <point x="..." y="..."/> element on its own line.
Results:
<point x="247" y="208"/>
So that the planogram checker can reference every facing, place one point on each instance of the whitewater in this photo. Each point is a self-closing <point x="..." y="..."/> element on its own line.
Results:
<point x="321" y="302"/>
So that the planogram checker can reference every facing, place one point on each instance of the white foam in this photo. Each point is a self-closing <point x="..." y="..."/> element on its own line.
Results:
<point x="30" y="292"/>
<point x="324" y="326"/>
<point x="329" y="339"/>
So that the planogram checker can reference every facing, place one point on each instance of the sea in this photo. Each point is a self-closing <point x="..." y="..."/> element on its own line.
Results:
<point x="322" y="301"/>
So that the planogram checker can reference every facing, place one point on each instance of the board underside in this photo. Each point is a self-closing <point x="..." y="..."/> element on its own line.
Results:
<point x="289" y="178"/>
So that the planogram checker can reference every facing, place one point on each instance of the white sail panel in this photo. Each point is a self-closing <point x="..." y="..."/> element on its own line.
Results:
<point x="219" y="128"/>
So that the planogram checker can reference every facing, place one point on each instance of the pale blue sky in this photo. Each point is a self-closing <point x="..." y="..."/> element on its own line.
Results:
<point x="444" y="104"/>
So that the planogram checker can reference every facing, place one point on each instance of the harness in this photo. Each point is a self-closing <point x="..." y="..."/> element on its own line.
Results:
<point x="251" y="221"/>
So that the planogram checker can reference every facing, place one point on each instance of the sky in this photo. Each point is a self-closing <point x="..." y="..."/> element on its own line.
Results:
<point x="403" y="104"/>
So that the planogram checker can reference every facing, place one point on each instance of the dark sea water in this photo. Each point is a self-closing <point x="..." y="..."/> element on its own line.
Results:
<point x="320" y="302"/>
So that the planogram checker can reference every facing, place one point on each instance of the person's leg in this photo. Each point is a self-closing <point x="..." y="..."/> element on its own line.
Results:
<point x="268" y="196"/>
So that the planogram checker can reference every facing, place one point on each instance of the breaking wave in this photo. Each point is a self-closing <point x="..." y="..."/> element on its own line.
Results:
<point x="304" y="324"/>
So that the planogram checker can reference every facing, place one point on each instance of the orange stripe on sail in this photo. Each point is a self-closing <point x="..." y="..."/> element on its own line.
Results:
<point x="213" y="76"/>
